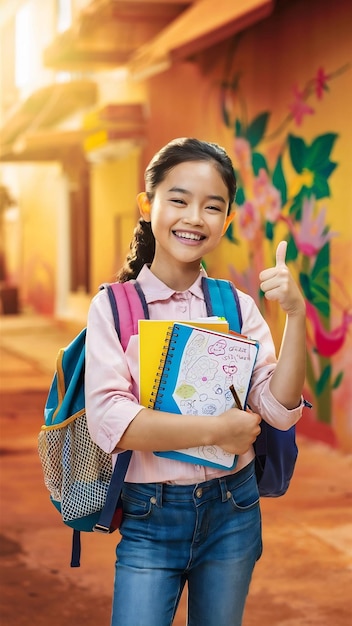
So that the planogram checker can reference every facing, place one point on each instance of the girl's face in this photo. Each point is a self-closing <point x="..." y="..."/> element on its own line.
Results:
<point x="188" y="214"/>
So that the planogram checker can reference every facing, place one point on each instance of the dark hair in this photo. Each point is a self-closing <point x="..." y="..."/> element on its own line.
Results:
<point x="142" y="246"/>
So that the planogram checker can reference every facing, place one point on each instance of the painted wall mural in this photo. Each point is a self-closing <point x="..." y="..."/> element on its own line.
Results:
<point x="284" y="188"/>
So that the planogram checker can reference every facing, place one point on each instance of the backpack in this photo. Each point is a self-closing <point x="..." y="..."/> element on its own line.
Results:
<point x="78" y="474"/>
<point x="76" y="471"/>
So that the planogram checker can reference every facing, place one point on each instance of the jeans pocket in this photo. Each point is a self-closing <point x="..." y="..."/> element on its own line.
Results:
<point x="135" y="504"/>
<point x="245" y="496"/>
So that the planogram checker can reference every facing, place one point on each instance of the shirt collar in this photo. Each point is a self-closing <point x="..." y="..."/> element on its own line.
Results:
<point x="154" y="289"/>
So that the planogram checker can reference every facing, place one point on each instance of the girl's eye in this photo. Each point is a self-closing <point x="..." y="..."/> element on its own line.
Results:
<point x="213" y="208"/>
<point x="178" y="201"/>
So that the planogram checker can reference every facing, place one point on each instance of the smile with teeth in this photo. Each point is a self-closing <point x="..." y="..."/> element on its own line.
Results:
<point x="187" y="235"/>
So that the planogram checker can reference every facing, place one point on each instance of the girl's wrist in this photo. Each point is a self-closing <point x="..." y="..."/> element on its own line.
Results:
<point x="299" y="311"/>
<point x="210" y="431"/>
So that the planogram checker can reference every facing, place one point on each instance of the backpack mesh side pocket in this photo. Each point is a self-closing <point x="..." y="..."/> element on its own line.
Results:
<point x="76" y="471"/>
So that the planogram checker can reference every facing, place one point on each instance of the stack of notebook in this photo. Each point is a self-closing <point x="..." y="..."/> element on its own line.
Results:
<point x="189" y="368"/>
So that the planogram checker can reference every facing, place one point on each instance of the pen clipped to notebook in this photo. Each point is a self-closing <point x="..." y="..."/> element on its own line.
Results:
<point x="236" y="398"/>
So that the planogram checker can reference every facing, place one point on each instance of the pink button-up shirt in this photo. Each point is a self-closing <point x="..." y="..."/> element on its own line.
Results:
<point x="112" y="375"/>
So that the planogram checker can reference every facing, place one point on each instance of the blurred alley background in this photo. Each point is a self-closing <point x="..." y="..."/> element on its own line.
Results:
<point x="89" y="91"/>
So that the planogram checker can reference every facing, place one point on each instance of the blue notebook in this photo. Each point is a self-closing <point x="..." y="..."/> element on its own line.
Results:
<point x="198" y="367"/>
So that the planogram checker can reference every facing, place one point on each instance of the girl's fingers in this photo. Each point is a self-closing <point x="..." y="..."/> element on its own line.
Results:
<point x="281" y="253"/>
<point x="271" y="272"/>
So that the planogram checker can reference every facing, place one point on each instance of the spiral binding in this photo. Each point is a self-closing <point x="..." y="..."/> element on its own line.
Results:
<point x="163" y="369"/>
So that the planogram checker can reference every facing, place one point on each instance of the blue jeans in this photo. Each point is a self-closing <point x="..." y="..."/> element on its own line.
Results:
<point x="207" y="534"/>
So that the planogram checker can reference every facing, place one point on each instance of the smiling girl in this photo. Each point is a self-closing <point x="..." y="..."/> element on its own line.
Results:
<point x="184" y="522"/>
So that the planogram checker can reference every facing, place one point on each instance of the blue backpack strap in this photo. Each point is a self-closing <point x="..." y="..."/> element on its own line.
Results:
<point x="114" y="493"/>
<point x="76" y="548"/>
<point x="221" y="298"/>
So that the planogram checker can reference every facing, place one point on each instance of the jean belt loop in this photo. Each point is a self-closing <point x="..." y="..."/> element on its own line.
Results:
<point x="223" y="489"/>
<point x="159" y="494"/>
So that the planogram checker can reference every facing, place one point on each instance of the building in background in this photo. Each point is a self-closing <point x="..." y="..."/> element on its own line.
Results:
<point x="89" y="90"/>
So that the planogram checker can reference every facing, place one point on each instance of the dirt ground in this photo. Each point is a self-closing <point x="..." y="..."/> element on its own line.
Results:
<point x="303" y="578"/>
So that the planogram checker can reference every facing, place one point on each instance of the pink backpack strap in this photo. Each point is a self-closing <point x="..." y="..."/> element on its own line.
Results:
<point x="130" y="306"/>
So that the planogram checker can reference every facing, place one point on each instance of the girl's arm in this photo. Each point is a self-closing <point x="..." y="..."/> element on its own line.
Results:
<point x="288" y="377"/>
<point x="234" y="431"/>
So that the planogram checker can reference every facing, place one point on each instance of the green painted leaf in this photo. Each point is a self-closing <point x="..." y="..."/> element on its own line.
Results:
<point x="298" y="152"/>
<point x="230" y="235"/>
<point x="317" y="292"/>
<point x="322" y="280"/>
<point x="258" y="163"/>
<point x="240" y="197"/>
<point x="305" y="284"/>
<point x="296" y="208"/>
<point x="323" y="380"/>
<point x="321" y="305"/>
<point x="338" y="380"/>
<point x="238" y="128"/>
<point x="320" y="293"/>
<point x="320" y="187"/>
<point x="324" y="309"/>
<point x="320" y="272"/>
<point x="292" y="252"/>
<point x="322" y="262"/>
<point x="297" y="203"/>
<point x="269" y="230"/>
<point x="256" y="129"/>
<point x="318" y="152"/>
<point x="279" y="181"/>
<point x="328" y="169"/>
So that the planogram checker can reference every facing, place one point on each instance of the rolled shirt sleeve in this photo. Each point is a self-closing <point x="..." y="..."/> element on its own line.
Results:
<point x="110" y="391"/>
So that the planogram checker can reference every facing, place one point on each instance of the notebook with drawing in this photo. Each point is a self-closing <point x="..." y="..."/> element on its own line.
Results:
<point x="197" y="368"/>
<point x="151" y="337"/>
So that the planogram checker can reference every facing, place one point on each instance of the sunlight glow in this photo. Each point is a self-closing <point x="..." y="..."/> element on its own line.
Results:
<point x="64" y="15"/>
<point x="24" y="45"/>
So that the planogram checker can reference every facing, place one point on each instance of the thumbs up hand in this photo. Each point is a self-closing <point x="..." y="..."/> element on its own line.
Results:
<point x="278" y="284"/>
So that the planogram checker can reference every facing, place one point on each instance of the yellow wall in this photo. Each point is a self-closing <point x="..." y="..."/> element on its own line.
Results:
<point x="113" y="215"/>
<point x="39" y="201"/>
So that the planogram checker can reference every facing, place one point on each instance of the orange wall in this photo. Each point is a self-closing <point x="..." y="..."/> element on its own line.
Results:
<point x="268" y="68"/>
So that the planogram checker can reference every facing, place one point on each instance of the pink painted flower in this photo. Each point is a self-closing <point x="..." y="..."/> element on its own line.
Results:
<point x="243" y="153"/>
<point x="328" y="342"/>
<point x="321" y="80"/>
<point x="249" y="220"/>
<point x="267" y="197"/>
<point x="247" y="280"/>
<point x="299" y="108"/>
<point x="312" y="235"/>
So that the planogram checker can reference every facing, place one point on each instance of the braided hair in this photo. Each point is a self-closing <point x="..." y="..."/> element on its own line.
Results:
<point x="142" y="246"/>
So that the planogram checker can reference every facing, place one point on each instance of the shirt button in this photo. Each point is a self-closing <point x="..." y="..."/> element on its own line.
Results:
<point x="199" y="493"/>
